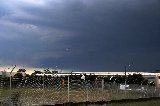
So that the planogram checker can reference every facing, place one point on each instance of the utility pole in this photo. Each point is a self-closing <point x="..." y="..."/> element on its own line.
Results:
<point x="11" y="77"/>
<point x="125" y="68"/>
<point x="68" y="88"/>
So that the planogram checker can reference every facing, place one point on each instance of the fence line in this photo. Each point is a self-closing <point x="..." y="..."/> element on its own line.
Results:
<point x="51" y="90"/>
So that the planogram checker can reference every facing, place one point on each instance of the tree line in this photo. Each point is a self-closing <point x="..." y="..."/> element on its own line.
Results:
<point x="22" y="80"/>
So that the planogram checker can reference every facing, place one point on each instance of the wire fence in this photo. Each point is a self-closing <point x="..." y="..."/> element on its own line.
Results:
<point x="50" y="90"/>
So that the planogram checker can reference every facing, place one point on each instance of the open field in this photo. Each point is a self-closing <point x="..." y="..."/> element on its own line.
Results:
<point x="60" y="95"/>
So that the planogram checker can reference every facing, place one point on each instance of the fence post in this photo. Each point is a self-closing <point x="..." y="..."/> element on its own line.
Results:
<point x="43" y="88"/>
<point x="147" y="91"/>
<point x="102" y="87"/>
<point x="68" y="88"/>
<point x="87" y="92"/>
<point x="158" y="91"/>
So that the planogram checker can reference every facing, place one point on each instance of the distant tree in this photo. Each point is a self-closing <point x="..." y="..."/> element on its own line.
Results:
<point x="119" y="79"/>
<point x="152" y="83"/>
<point x="107" y="79"/>
<point x="135" y="79"/>
<point x="47" y="71"/>
<point x="145" y="82"/>
<point x="17" y="79"/>
<point x="92" y="77"/>
<point x="36" y="72"/>
<point x="21" y="70"/>
<point x="131" y="79"/>
<point x="115" y="79"/>
<point x="18" y="75"/>
<point x="157" y="71"/>
<point x="27" y="75"/>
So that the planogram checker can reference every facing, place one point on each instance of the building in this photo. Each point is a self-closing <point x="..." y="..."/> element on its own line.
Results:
<point x="6" y="74"/>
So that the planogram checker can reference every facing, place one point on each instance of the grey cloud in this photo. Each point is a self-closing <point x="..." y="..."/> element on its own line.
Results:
<point x="92" y="35"/>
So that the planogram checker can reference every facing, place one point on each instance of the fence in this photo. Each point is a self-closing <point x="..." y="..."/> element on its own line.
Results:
<point x="50" y="90"/>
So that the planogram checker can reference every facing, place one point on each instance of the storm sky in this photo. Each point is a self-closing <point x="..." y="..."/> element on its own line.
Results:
<point x="81" y="35"/>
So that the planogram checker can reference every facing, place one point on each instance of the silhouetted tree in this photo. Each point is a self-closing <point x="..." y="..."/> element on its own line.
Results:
<point x="119" y="79"/>
<point x="21" y="70"/>
<point x="145" y="82"/>
<point x="36" y="72"/>
<point x="135" y="79"/>
<point x="17" y="79"/>
<point x="47" y="71"/>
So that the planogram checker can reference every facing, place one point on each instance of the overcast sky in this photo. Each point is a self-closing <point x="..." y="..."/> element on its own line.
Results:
<point x="81" y="35"/>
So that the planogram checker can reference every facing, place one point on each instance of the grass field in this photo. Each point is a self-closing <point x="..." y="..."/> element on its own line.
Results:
<point x="76" y="95"/>
<point x="59" y="94"/>
<point x="54" y="95"/>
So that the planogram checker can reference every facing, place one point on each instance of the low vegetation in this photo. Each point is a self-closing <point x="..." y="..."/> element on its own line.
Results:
<point x="146" y="103"/>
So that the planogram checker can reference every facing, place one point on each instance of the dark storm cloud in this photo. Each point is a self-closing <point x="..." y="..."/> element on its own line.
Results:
<point x="86" y="35"/>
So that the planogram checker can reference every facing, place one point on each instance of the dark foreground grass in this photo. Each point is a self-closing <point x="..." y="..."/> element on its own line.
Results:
<point x="145" y="103"/>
